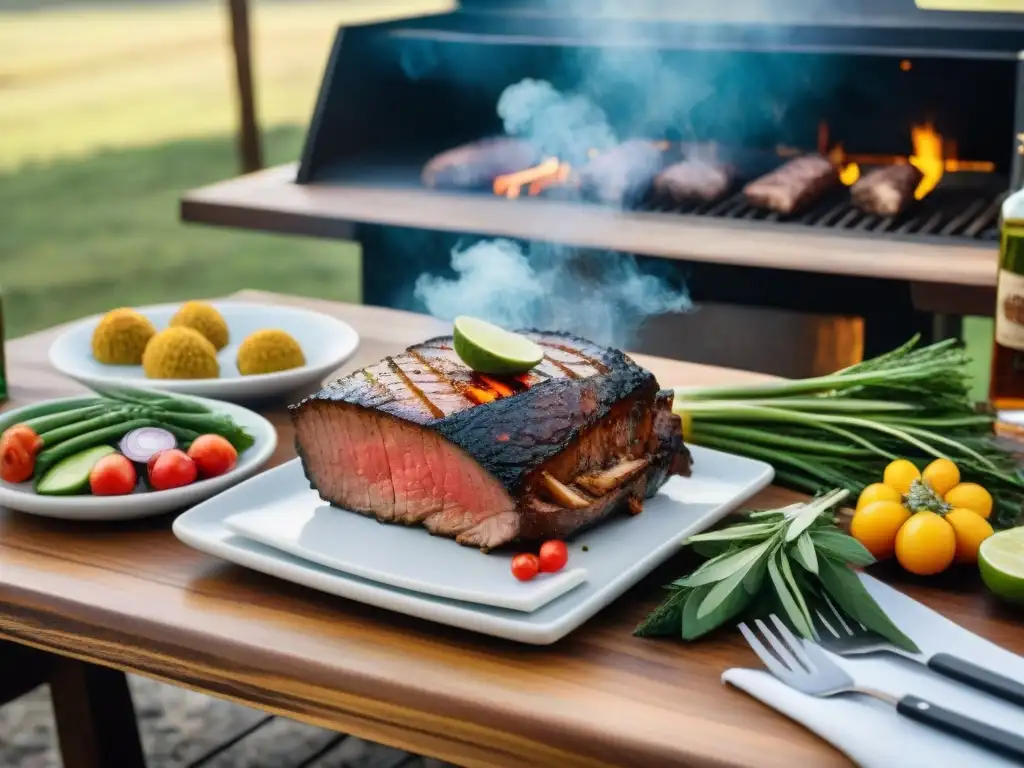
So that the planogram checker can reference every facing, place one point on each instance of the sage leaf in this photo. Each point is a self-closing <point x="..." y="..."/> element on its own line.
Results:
<point x="841" y="546"/>
<point x="724" y="566"/>
<point x="804" y="553"/>
<point x="847" y="591"/>
<point x="755" y="576"/>
<point x="789" y="606"/>
<point x="711" y="549"/>
<point x="722" y="590"/>
<point x="802" y="521"/>
<point x="666" y="619"/>
<point x="694" y="627"/>
<point x="798" y="597"/>
<point x="736" y="532"/>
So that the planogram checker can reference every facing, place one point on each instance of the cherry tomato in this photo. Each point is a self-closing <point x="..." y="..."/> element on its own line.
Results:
<point x="525" y="566"/>
<point x="213" y="455"/>
<point x="113" y="475"/>
<point x="18" y="448"/>
<point x="171" y="469"/>
<point x="553" y="556"/>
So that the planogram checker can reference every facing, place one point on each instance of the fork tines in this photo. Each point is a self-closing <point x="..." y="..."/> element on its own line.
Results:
<point x="800" y="664"/>
<point x="788" y="657"/>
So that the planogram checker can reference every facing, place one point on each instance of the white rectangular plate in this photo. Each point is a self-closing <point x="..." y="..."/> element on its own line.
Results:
<point x="619" y="553"/>
<point x="295" y="520"/>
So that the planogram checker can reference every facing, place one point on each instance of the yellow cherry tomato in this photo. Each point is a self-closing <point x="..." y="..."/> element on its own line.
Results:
<point x="876" y="525"/>
<point x="877" y="492"/>
<point x="900" y="474"/>
<point x="926" y="544"/>
<point x="970" y="530"/>
<point x="970" y="496"/>
<point x="941" y="475"/>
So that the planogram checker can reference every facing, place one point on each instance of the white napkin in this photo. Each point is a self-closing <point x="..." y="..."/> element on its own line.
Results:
<point x="869" y="731"/>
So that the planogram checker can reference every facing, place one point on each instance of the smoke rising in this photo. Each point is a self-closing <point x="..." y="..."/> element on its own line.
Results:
<point x="563" y="125"/>
<point x="603" y="297"/>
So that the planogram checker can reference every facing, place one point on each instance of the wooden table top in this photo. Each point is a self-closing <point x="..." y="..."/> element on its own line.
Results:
<point x="129" y="595"/>
<point x="270" y="200"/>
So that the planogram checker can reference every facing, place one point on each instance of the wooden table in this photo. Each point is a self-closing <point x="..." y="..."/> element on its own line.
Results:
<point x="130" y="596"/>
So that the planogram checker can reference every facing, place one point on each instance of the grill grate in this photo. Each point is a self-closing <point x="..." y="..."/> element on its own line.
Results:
<point x="953" y="210"/>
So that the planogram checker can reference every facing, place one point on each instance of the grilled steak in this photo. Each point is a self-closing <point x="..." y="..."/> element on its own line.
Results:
<point x="886" y="191"/>
<point x="793" y="186"/>
<point x="420" y="439"/>
<point x="477" y="165"/>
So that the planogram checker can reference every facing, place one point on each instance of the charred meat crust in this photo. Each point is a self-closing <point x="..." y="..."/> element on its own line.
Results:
<point x="418" y="438"/>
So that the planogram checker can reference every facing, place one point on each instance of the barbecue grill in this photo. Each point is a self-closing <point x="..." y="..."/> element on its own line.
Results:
<point x="855" y="80"/>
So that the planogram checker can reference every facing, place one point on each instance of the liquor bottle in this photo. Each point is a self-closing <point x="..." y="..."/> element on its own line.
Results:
<point x="1006" y="386"/>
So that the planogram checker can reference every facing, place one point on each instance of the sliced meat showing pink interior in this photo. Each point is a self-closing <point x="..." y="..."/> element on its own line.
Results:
<point x="370" y="462"/>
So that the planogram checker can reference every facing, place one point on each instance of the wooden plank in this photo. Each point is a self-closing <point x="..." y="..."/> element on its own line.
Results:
<point x="130" y="596"/>
<point x="271" y="201"/>
<point x="248" y="129"/>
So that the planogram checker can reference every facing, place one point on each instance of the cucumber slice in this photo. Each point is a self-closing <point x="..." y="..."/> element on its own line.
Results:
<point x="71" y="475"/>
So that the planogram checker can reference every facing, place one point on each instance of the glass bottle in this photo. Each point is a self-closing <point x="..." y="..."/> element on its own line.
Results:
<point x="1006" y="385"/>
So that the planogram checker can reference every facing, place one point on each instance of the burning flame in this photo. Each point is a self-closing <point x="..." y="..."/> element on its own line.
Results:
<point x="927" y="158"/>
<point x="539" y="177"/>
<point x="932" y="155"/>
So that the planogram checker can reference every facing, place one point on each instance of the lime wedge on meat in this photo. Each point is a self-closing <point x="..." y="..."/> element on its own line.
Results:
<point x="486" y="348"/>
<point x="1001" y="562"/>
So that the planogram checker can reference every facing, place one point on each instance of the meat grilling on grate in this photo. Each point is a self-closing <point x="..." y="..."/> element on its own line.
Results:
<point x="693" y="180"/>
<point x="478" y="164"/>
<point x="886" y="191"/>
<point x="794" y="185"/>
<point x="419" y="439"/>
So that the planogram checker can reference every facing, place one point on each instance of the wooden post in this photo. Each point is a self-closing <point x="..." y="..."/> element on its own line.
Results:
<point x="248" y="132"/>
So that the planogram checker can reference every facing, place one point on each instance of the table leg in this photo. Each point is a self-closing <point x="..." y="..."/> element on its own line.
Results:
<point x="95" y="717"/>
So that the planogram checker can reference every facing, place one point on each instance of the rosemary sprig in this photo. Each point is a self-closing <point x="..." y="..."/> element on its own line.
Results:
<point x="839" y="431"/>
<point x="787" y="560"/>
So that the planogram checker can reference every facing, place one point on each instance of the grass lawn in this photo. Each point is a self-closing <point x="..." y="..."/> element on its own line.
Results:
<point x="84" y="235"/>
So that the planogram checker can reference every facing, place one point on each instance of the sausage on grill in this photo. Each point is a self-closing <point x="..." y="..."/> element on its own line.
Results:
<point x="886" y="191"/>
<point x="693" y="180"/>
<point x="794" y="185"/>
<point x="478" y="164"/>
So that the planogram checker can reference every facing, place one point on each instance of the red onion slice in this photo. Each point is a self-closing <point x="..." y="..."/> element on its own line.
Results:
<point x="142" y="444"/>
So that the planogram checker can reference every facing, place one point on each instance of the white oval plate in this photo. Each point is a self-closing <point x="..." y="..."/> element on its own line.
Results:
<point x="326" y="342"/>
<point x="22" y="497"/>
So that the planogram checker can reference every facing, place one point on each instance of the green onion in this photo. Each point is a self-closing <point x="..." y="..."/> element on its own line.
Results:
<point x="840" y="431"/>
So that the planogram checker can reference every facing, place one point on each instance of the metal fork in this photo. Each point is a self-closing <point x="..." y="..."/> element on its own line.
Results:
<point x="845" y="637"/>
<point x="804" y="666"/>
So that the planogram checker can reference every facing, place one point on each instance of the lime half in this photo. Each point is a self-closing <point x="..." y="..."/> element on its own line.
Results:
<point x="486" y="348"/>
<point x="1001" y="562"/>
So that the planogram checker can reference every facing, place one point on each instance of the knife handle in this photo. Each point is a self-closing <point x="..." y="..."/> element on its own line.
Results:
<point x="983" y="679"/>
<point x="947" y="721"/>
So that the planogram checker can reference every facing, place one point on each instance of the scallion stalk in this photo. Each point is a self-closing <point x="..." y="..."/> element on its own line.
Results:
<point x="840" y="430"/>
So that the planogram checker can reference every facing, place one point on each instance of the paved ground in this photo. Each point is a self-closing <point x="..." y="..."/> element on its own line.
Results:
<point x="179" y="727"/>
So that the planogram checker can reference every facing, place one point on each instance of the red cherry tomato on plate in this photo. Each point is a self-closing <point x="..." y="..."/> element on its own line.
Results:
<point x="113" y="475"/>
<point x="171" y="469"/>
<point x="213" y="455"/>
<point x="525" y="566"/>
<point x="553" y="556"/>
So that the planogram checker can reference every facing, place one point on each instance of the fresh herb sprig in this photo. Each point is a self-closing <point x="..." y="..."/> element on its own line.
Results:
<point x="788" y="561"/>
<point x="840" y="431"/>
